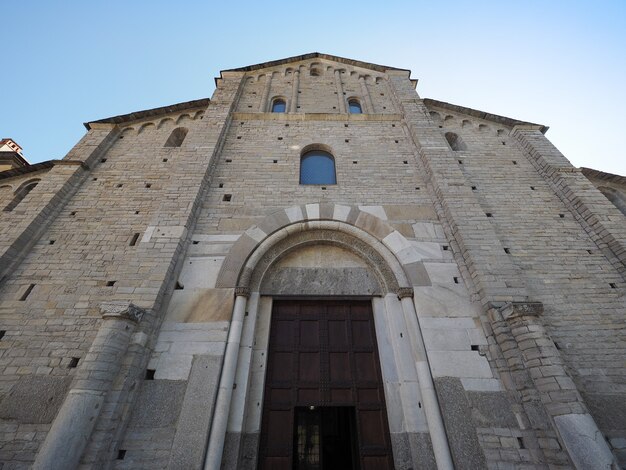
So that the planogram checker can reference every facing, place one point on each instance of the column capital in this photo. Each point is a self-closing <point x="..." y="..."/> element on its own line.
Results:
<point x="513" y="310"/>
<point x="405" y="292"/>
<point x="121" y="310"/>
<point x="242" y="291"/>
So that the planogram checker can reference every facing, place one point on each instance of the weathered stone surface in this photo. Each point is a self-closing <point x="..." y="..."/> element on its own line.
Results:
<point x="194" y="421"/>
<point x="461" y="430"/>
<point x="491" y="409"/>
<point x="158" y="404"/>
<point x="35" y="399"/>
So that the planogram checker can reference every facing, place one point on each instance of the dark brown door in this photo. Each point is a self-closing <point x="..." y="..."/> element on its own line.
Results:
<point x="323" y="374"/>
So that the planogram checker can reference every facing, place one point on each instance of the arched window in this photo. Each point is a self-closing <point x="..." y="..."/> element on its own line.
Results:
<point x="20" y="194"/>
<point x="317" y="167"/>
<point x="315" y="72"/>
<point x="354" y="106"/>
<point x="176" y="137"/>
<point x="279" y="105"/>
<point x="455" y="142"/>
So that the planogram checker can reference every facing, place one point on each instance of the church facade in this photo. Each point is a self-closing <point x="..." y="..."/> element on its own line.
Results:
<point x="314" y="268"/>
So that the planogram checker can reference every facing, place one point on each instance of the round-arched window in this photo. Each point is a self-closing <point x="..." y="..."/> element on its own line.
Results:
<point x="279" y="106"/>
<point x="354" y="106"/>
<point x="317" y="167"/>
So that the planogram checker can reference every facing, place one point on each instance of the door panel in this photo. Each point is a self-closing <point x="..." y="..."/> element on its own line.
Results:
<point x="323" y="358"/>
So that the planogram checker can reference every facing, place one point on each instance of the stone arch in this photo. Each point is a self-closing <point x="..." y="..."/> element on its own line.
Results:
<point x="384" y="249"/>
<point x="146" y="126"/>
<point x="165" y="121"/>
<point x="21" y="192"/>
<point x="183" y="118"/>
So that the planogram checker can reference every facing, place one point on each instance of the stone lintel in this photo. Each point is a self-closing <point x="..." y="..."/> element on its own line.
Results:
<point x="121" y="310"/>
<point x="512" y="310"/>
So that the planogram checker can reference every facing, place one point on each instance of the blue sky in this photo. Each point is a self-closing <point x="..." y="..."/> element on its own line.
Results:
<point x="562" y="64"/>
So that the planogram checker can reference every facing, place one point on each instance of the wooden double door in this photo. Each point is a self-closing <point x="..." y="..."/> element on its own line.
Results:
<point x="324" y="404"/>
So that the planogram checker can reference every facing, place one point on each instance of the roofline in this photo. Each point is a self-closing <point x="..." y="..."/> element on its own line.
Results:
<point x="38" y="167"/>
<point x="482" y="114"/>
<point x="314" y="55"/>
<point x="18" y="157"/>
<point x="124" y="118"/>
<point x="611" y="177"/>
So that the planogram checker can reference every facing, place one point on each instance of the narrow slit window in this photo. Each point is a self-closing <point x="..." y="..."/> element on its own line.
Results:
<point x="177" y="137"/>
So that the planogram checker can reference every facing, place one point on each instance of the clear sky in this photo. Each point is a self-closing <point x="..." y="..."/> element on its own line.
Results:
<point x="558" y="63"/>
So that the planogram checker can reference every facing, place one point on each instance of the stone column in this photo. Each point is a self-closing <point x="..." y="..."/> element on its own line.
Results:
<point x="293" y="104"/>
<point x="340" y="97"/>
<point x="215" y="446"/>
<point x="71" y="429"/>
<point x="577" y="429"/>
<point x="266" y="92"/>
<point x="432" y="411"/>
<point x="366" y="95"/>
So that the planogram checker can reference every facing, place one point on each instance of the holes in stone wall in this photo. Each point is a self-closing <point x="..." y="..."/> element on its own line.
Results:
<point x="345" y="125"/>
<point x="2" y="333"/>
<point x="178" y="286"/>
<point x="613" y="285"/>
<point x="590" y="252"/>
<point x="165" y="160"/>
<point x="274" y="161"/>
<point x="73" y="363"/>
<point x="228" y="160"/>
<point x="221" y="185"/>
<point x="227" y="197"/>
<point x="354" y="162"/>
<point x="562" y="216"/>
<point x="445" y="247"/>
<point x="520" y="443"/>
<point x="195" y="242"/>
<point x="119" y="185"/>
<point x="94" y="179"/>
<point x="280" y="138"/>
<point x="507" y="251"/>
<point x="121" y="453"/>
<point x="455" y="279"/>
<point x="51" y="242"/>
<point x="474" y="188"/>
<point x="417" y="188"/>
<point x="488" y="214"/>
<point x="460" y="162"/>
<point x="111" y="283"/>
<point x="27" y="292"/>
<point x="347" y="140"/>
<point x="148" y="185"/>
<point x="406" y="162"/>
<point x="133" y="240"/>
<point x="474" y="347"/>
<point x="136" y="212"/>
<point x="150" y="374"/>
<point x="103" y="160"/>
<point x="532" y="188"/>
<point x="514" y="162"/>
<point x="73" y="213"/>
<point x="238" y="137"/>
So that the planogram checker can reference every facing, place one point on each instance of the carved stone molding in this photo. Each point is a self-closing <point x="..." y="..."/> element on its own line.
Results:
<point x="405" y="292"/>
<point x="121" y="310"/>
<point x="242" y="291"/>
<point x="343" y="240"/>
<point x="513" y="310"/>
